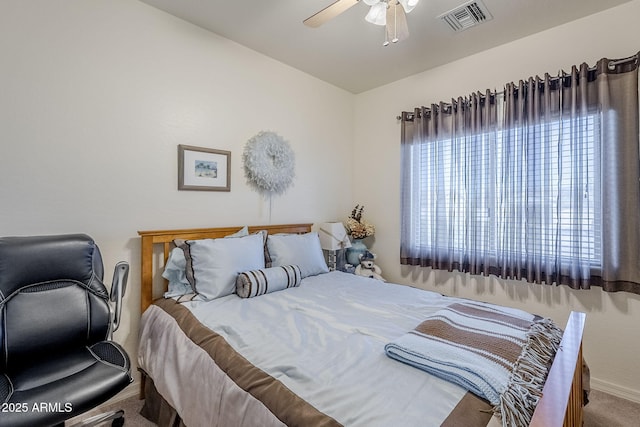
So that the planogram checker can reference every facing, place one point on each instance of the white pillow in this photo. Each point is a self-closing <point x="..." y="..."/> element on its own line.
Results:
<point x="214" y="264"/>
<point x="244" y="231"/>
<point x="174" y="272"/>
<point x="302" y="250"/>
<point x="175" y="268"/>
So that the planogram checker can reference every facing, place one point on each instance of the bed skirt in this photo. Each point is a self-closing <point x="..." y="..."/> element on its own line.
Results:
<point x="155" y="408"/>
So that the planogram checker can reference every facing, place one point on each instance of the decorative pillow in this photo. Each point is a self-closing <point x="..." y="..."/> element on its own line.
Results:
<point x="244" y="231"/>
<point x="212" y="265"/>
<point x="259" y="282"/>
<point x="302" y="250"/>
<point x="174" y="272"/>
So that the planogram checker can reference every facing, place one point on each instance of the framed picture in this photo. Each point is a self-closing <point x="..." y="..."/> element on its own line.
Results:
<point x="203" y="169"/>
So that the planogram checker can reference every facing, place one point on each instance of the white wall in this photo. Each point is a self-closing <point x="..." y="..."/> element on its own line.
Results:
<point x="96" y="95"/>
<point x="612" y="338"/>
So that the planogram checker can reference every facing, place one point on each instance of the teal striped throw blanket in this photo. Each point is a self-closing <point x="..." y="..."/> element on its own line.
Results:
<point x="497" y="353"/>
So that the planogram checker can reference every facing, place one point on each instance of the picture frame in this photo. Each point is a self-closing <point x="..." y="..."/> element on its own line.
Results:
<point x="203" y="169"/>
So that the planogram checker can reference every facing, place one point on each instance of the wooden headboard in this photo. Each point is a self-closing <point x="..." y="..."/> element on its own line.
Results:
<point x="164" y="238"/>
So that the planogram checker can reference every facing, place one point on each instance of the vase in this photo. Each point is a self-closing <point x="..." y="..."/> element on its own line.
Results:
<point x="353" y="253"/>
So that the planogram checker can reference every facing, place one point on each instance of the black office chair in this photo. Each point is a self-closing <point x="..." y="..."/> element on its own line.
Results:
<point x="56" y="357"/>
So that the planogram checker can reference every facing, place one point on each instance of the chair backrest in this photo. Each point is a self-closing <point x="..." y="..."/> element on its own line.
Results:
<point x="52" y="299"/>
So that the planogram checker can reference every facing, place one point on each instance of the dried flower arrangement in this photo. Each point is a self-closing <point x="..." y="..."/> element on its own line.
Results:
<point x="357" y="227"/>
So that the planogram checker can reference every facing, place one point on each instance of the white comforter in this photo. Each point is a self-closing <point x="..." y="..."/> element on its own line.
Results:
<point x="325" y="341"/>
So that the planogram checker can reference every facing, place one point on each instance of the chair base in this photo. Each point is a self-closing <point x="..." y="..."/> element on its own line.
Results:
<point x="116" y="418"/>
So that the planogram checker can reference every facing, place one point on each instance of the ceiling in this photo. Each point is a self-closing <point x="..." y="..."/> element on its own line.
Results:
<point x="347" y="51"/>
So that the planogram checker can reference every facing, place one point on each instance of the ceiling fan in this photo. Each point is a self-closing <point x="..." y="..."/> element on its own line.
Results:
<point x="388" y="13"/>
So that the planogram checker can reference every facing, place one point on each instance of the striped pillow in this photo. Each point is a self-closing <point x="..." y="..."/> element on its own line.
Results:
<point x="259" y="282"/>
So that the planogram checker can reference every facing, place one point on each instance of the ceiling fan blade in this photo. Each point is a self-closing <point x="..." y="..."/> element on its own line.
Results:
<point x="396" y="27"/>
<point x="329" y="12"/>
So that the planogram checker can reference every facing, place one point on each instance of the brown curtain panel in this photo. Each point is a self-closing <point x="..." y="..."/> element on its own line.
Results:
<point x="540" y="182"/>
<point x="617" y="94"/>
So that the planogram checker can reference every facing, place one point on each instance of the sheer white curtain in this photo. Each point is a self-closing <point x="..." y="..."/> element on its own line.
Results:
<point x="448" y="189"/>
<point x="539" y="182"/>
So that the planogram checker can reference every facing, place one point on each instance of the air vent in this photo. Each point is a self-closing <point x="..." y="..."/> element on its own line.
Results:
<point x="466" y="16"/>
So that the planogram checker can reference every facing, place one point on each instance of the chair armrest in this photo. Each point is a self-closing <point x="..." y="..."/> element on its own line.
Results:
<point x="118" y="288"/>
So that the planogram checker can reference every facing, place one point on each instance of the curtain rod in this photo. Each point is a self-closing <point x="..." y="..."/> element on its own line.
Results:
<point x="611" y="64"/>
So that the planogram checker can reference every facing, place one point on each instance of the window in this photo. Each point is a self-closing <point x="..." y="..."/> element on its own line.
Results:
<point x="539" y="182"/>
<point x="520" y="201"/>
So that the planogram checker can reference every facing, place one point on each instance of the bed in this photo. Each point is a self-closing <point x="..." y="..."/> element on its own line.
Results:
<point x="221" y="363"/>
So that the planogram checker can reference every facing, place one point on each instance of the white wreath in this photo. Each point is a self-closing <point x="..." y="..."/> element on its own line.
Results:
<point x="269" y="163"/>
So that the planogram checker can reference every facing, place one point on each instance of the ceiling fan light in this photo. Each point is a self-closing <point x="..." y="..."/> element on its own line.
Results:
<point x="377" y="14"/>
<point x="371" y="2"/>
<point x="408" y="5"/>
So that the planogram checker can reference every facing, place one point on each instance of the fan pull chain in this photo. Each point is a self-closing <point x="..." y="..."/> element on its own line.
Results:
<point x="395" y="24"/>
<point x="386" y="33"/>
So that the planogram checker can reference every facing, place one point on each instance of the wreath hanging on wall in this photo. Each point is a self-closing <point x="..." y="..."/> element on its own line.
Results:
<point x="269" y="163"/>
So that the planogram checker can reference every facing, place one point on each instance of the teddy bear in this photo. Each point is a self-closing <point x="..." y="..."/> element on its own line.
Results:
<point x="367" y="268"/>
